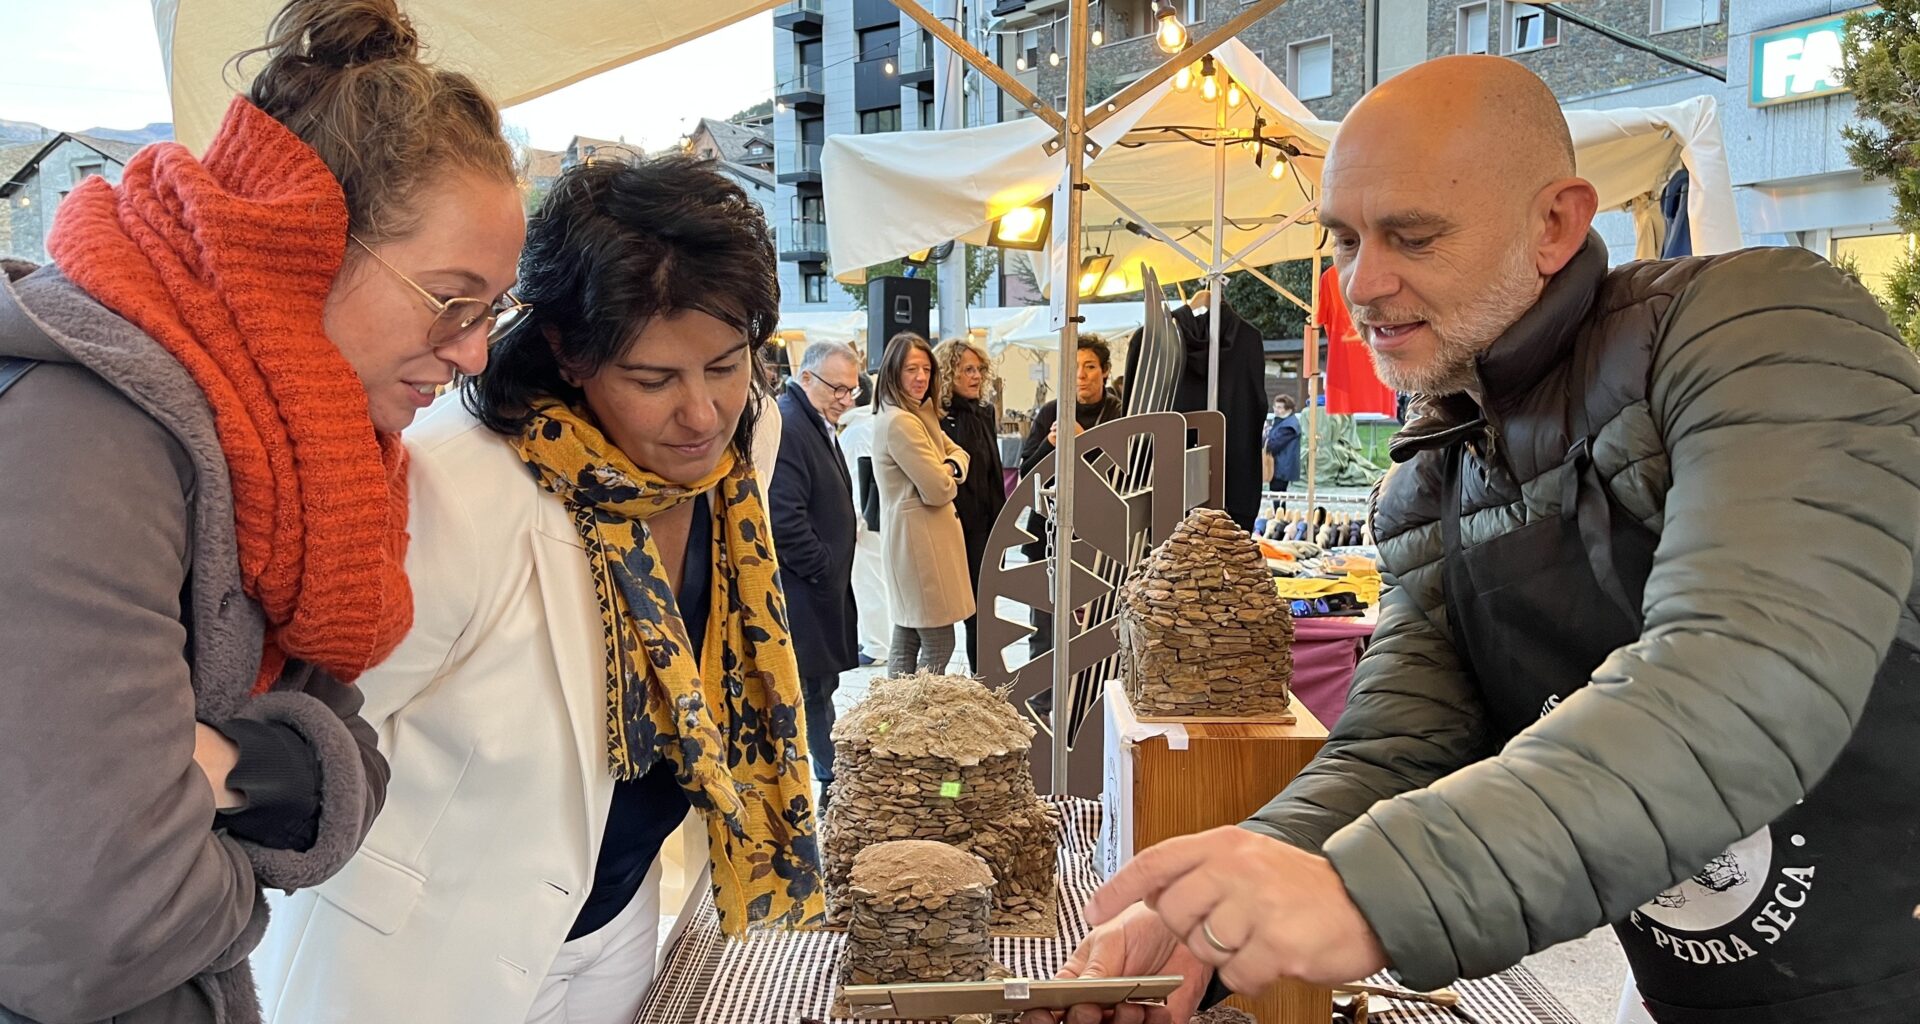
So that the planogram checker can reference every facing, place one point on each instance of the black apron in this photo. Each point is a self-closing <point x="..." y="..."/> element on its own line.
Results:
<point x="1808" y="921"/>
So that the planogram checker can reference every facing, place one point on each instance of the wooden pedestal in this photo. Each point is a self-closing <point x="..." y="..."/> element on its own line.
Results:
<point x="1166" y="780"/>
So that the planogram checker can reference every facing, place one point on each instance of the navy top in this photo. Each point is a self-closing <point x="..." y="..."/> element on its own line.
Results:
<point x="647" y="810"/>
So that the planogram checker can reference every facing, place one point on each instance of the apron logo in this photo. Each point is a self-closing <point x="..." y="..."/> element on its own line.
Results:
<point x="1734" y="905"/>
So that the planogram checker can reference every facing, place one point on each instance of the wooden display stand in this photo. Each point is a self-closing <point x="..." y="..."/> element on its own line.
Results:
<point x="1166" y="780"/>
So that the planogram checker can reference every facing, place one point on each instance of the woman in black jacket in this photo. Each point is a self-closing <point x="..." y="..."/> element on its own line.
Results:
<point x="971" y="422"/>
<point x="1094" y="404"/>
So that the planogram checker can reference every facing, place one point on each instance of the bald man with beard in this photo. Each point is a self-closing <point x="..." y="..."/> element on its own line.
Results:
<point x="1649" y="653"/>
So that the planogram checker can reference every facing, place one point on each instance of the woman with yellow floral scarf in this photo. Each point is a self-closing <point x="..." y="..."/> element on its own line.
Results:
<point x="600" y="639"/>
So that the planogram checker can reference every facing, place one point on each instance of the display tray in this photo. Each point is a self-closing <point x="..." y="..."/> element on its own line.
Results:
<point x="793" y="977"/>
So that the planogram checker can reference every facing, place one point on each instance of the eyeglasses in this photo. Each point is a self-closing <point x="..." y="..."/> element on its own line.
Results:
<point x="972" y="371"/>
<point x="455" y="317"/>
<point x="838" y="392"/>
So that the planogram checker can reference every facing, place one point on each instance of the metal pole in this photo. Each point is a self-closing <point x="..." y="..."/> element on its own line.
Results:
<point x="947" y="106"/>
<point x="1066" y="458"/>
<point x="1674" y="57"/>
<point x="1216" y="280"/>
<point x="1311" y="349"/>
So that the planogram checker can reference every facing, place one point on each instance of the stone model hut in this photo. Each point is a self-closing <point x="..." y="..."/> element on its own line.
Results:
<point x="945" y="759"/>
<point x="917" y="912"/>
<point x="1203" y="632"/>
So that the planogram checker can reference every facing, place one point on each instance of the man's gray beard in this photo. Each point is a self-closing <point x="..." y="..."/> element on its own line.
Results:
<point x="1472" y="331"/>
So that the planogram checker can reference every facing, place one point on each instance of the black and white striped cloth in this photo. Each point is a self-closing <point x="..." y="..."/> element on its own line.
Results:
<point x="792" y="977"/>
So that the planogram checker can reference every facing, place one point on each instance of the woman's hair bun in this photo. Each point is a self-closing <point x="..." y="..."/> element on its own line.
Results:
<point x="344" y="33"/>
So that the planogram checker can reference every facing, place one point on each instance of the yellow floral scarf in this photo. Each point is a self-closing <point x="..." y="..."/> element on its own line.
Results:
<point x="734" y="734"/>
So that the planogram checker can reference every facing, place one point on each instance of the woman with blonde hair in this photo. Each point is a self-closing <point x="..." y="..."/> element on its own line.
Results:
<point x="919" y="471"/>
<point x="971" y="421"/>
<point x="204" y="524"/>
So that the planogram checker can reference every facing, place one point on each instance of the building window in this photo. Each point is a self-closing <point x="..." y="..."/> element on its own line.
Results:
<point x="1310" y="68"/>
<point x="876" y="43"/>
<point x="1530" y="28"/>
<point x="884" y="120"/>
<point x="1193" y="12"/>
<point x="813" y="286"/>
<point x="1027" y="48"/>
<point x="1471" y="35"/>
<point x="926" y="113"/>
<point x="1674" y="15"/>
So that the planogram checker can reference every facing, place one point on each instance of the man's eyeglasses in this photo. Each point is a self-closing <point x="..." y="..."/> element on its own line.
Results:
<point x="839" y="393"/>
<point x="454" y="318"/>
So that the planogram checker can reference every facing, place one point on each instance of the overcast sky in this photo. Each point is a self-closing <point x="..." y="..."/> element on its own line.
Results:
<point x="96" y="63"/>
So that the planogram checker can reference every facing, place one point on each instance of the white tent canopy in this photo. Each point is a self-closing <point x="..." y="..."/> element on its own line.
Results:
<point x="515" y="51"/>
<point x="952" y="184"/>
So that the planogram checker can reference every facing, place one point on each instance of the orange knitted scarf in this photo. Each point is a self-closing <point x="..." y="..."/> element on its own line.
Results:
<point x="227" y="262"/>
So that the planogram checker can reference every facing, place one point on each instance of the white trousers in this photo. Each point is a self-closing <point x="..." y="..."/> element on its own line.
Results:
<point x="870" y="595"/>
<point x="601" y="978"/>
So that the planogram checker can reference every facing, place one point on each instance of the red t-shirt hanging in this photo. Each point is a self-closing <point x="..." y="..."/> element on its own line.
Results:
<point x="1351" y="385"/>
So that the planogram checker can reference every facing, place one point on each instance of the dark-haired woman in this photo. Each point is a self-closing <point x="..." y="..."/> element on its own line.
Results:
<point x="600" y="641"/>
<point x="919" y="471"/>
<point x="203" y="515"/>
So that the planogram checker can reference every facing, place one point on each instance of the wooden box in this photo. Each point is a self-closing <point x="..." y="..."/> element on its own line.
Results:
<point x="1167" y="779"/>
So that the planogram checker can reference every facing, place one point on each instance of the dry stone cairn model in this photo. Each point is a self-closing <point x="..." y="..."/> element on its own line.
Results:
<point x="942" y="758"/>
<point x="918" y="912"/>
<point x="1203" y="632"/>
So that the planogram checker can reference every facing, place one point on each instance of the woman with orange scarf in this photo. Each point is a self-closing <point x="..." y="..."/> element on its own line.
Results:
<point x="203" y="527"/>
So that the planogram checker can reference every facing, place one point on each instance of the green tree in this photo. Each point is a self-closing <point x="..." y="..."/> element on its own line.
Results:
<point x="981" y="262"/>
<point x="1880" y="62"/>
<point x="760" y="109"/>
<point x="1266" y="309"/>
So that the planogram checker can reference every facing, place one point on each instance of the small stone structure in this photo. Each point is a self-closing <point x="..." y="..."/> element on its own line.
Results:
<point x="945" y="759"/>
<point x="918" y="913"/>
<point x="1203" y="632"/>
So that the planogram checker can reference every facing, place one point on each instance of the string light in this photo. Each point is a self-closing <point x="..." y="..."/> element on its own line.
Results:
<point x="1099" y="37"/>
<point x="1171" y="36"/>
<point x="887" y="67"/>
<point x="1209" y="82"/>
<point x="1233" y="93"/>
<point x="1020" y="63"/>
<point x="1053" y="58"/>
<point x="1183" y="79"/>
<point x="1279" y="171"/>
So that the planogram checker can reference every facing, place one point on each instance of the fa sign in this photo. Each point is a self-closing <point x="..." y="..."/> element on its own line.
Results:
<point x="1798" y="62"/>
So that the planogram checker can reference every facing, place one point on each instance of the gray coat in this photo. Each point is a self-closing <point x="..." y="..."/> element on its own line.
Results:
<point x="119" y="897"/>
<point x="1754" y="412"/>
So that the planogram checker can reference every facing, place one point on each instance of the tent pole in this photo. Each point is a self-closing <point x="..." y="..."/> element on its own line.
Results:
<point x="1216" y="277"/>
<point x="1066" y="456"/>
<point x="1310" y="348"/>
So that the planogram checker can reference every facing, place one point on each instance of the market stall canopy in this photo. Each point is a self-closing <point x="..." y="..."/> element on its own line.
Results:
<point x="515" y="51"/>
<point x="952" y="184"/>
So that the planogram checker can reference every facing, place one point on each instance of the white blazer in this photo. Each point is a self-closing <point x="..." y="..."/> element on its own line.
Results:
<point x="492" y="714"/>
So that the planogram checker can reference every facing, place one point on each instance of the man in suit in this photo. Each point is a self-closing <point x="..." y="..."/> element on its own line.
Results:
<point x="811" y="500"/>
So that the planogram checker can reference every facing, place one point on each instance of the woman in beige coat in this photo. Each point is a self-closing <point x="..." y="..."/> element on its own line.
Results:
<point x="919" y="471"/>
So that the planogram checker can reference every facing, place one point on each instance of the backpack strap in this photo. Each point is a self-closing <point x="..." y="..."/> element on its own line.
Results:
<point x="12" y="368"/>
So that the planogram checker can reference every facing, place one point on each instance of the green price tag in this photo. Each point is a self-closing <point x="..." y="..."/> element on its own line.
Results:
<point x="950" y="789"/>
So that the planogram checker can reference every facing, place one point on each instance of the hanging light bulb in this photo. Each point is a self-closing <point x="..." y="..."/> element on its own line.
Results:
<point x="780" y="106"/>
<point x="1233" y="93"/>
<point x="1172" y="36"/>
<point x="1183" y="79"/>
<point x="1053" y="58"/>
<point x="1098" y="36"/>
<point x="887" y="67"/>
<point x="1020" y="63"/>
<point x="1279" y="168"/>
<point x="1209" y="82"/>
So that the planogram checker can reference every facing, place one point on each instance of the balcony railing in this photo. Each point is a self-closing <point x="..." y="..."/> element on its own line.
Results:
<point x="917" y="54"/>
<point x="806" y="78"/>
<point x="806" y="236"/>
<point x="799" y="158"/>
<point x="800" y="7"/>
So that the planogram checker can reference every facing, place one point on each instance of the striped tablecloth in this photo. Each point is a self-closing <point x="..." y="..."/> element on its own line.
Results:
<point x="790" y="977"/>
